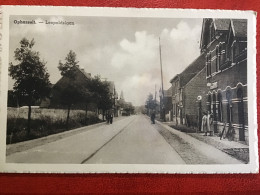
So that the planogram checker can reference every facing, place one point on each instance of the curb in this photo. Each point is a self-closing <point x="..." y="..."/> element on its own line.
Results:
<point x="22" y="146"/>
<point x="225" y="150"/>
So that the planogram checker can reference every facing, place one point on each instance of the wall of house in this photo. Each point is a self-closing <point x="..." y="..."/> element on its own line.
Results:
<point x="196" y="87"/>
<point x="231" y="86"/>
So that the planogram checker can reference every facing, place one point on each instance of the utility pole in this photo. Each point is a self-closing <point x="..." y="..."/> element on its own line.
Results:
<point x="162" y="105"/>
<point x="155" y="104"/>
<point x="155" y="93"/>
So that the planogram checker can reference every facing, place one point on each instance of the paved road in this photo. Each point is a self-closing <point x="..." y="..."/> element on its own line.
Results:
<point x="130" y="140"/>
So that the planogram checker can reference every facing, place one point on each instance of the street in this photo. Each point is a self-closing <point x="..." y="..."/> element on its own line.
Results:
<point x="130" y="140"/>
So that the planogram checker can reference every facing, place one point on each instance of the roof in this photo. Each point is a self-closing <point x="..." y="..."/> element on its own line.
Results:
<point x="188" y="73"/>
<point x="196" y="66"/>
<point x="81" y="76"/>
<point x="174" y="78"/>
<point x="221" y="24"/>
<point x="88" y="75"/>
<point x="239" y="27"/>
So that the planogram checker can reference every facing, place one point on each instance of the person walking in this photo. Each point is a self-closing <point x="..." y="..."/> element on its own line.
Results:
<point x="108" y="117"/>
<point x="111" y="118"/>
<point x="153" y="117"/>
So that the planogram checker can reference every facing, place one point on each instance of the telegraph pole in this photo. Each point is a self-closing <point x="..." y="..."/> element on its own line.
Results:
<point x="162" y="105"/>
<point x="155" y="93"/>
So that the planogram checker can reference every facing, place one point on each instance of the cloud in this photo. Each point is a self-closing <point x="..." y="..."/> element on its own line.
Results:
<point x="135" y="54"/>
<point x="137" y="63"/>
<point x="128" y="57"/>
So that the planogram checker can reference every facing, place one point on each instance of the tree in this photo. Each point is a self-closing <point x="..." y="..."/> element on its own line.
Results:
<point x="30" y="75"/>
<point x="129" y="108"/>
<point x="68" y="68"/>
<point x="72" y="91"/>
<point x="101" y="94"/>
<point x="88" y="96"/>
<point x="150" y="103"/>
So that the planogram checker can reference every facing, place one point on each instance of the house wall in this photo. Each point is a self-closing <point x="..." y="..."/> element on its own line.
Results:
<point x="232" y="81"/>
<point x="196" y="87"/>
<point x="177" y="101"/>
<point x="227" y="95"/>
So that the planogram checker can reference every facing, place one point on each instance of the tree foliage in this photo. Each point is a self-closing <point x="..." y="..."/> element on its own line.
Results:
<point x="101" y="93"/>
<point x="72" y="91"/>
<point x="30" y="75"/>
<point x="68" y="68"/>
<point x="150" y="102"/>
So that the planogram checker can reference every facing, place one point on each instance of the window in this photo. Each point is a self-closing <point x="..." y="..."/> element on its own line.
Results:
<point x="214" y="107"/>
<point x="235" y="52"/>
<point x="209" y="103"/>
<point x="223" y="53"/>
<point x="220" y="107"/>
<point x="209" y="64"/>
<point x="217" y="58"/>
<point x="229" y="106"/>
<point x="241" y="118"/>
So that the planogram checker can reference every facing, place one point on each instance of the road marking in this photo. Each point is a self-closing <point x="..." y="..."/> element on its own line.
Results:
<point x="107" y="142"/>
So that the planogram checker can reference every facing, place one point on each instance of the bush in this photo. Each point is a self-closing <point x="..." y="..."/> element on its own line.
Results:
<point x="44" y="122"/>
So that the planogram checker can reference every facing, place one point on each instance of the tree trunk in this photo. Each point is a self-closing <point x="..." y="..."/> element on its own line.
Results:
<point x="68" y="117"/>
<point x="103" y="114"/>
<point x="29" y="120"/>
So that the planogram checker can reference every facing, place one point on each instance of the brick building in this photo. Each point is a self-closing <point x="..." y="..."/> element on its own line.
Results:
<point x="166" y="102"/>
<point x="225" y="43"/>
<point x="186" y="87"/>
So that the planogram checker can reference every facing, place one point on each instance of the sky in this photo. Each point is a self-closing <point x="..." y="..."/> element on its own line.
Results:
<point x="123" y="50"/>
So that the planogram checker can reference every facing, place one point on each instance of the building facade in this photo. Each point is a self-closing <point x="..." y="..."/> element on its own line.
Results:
<point x="186" y="87"/>
<point x="225" y="43"/>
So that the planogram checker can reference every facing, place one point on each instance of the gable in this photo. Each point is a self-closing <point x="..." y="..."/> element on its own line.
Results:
<point x="239" y="27"/>
<point x="219" y="26"/>
<point x="205" y="36"/>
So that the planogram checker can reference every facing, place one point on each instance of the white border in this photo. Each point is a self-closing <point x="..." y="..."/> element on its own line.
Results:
<point x="252" y="167"/>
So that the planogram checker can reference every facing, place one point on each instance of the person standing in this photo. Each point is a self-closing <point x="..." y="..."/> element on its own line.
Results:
<point x="108" y="117"/>
<point x="204" y="123"/>
<point x="153" y="117"/>
<point x="111" y="118"/>
<point x="208" y="123"/>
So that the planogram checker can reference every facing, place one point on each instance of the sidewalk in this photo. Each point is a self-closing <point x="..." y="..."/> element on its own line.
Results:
<point x="22" y="146"/>
<point x="235" y="149"/>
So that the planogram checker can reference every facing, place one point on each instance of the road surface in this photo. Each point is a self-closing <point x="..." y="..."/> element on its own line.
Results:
<point x="131" y="140"/>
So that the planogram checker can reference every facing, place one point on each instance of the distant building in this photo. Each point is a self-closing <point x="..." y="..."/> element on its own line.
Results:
<point x="166" y="102"/>
<point x="224" y="41"/>
<point x="114" y="97"/>
<point x="124" y="108"/>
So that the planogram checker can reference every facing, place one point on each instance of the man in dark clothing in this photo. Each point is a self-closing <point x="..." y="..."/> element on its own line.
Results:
<point x="111" y="118"/>
<point x="108" y="118"/>
<point x="153" y="117"/>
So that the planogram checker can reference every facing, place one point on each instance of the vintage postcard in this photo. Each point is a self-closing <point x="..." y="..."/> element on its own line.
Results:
<point x="124" y="90"/>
